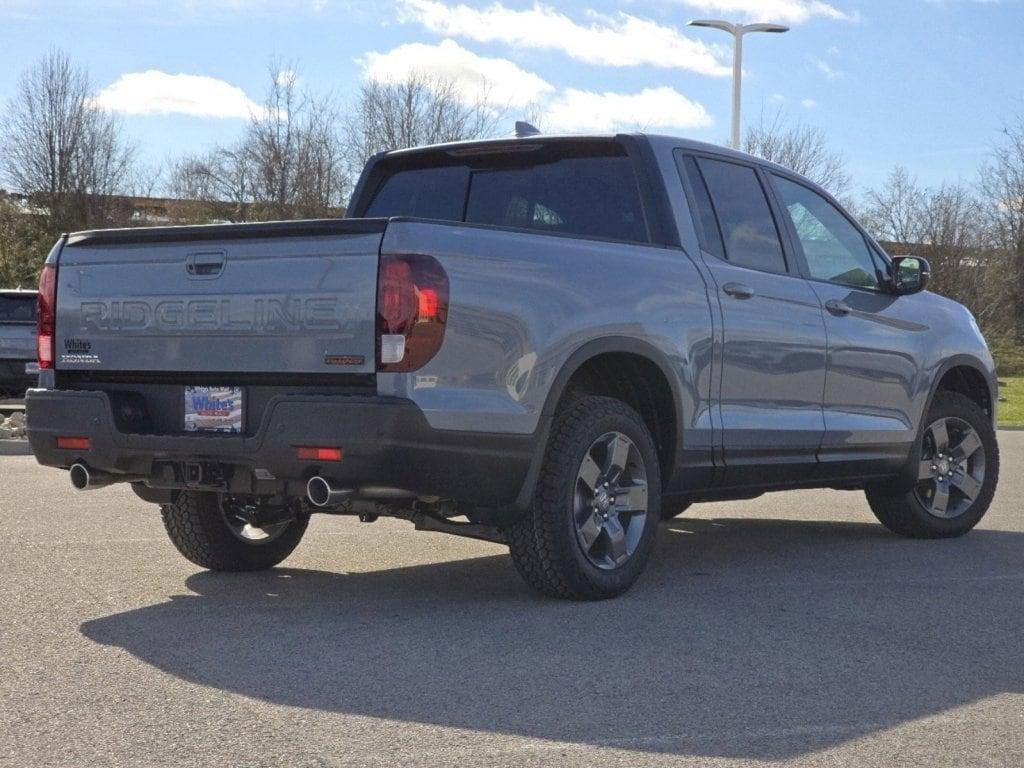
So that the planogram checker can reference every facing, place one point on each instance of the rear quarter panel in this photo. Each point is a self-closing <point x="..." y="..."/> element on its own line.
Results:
<point x="521" y="305"/>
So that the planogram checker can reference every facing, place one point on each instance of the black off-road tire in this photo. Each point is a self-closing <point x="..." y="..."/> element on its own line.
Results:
<point x="544" y="545"/>
<point x="196" y="526"/>
<point x="669" y="511"/>
<point x="904" y="514"/>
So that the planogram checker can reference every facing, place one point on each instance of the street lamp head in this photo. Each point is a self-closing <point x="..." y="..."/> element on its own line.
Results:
<point x="725" y="26"/>
<point x="777" y="28"/>
<point x="738" y="29"/>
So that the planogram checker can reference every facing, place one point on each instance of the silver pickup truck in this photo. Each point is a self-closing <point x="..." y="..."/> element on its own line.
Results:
<point x="18" y="370"/>
<point x="549" y="342"/>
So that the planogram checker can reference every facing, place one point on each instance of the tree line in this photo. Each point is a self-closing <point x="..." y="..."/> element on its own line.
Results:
<point x="299" y="154"/>
<point x="73" y="167"/>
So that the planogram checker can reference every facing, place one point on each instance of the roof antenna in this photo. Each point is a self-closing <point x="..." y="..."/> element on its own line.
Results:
<point x="524" y="129"/>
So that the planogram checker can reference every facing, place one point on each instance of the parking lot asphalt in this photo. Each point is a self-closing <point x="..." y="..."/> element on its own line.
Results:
<point x="788" y="630"/>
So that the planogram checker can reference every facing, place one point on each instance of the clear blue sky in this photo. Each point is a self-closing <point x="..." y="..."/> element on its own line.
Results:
<point x="925" y="83"/>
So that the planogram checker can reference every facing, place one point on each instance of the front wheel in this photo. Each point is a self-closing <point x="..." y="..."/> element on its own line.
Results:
<point x="595" y="512"/>
<point x="956" y="474"/>
<point x="224" y="533"/>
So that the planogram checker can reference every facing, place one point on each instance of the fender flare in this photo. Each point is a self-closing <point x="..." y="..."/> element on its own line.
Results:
<point x="908" y="476"/>
<point x="580" y="356"/>
<point x="960" y="361"/>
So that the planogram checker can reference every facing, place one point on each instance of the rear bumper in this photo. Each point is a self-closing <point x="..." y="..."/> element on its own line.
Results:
<point x="387" y="442"/>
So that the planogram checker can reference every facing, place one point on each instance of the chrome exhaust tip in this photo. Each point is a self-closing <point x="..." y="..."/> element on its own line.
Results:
<point x="82" y="479"/>
<point x="79" y="474"/>
<point x="85" y="479"/>
<point x="322" y="494"/>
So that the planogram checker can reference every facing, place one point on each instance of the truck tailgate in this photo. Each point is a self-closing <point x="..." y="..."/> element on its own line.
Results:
<point x="296" y="297"/>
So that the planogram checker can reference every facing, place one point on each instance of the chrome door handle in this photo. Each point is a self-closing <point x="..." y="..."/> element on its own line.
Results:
<point x="838" y="308"/>
<point x="738" y="290"/>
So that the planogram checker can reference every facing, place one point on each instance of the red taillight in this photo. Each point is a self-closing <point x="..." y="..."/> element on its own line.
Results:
<point x="412" y="310"/>
<point x="308" y="453"/>
<point x="47" y="316"/>
<point x="74" y="443"/>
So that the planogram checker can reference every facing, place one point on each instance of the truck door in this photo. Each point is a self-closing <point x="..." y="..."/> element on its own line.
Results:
<point x="773" y="340"/>
<point x="875" y="338"/>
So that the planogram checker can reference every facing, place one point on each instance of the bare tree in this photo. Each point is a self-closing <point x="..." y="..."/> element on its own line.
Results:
<point x="801" y="148"/>
<point x="61" y="148"/>
<point x="1002" y="184"/>
<point x="216" y="185"/>
<point x="893" y="212"/>
<point x="413" y="112"/>
<point x="947" y="226"/>
<point x="289" y="163"/>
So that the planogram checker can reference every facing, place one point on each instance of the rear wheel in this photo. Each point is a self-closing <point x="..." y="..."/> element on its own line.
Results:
<point x="225" y="533"/>
<point x="956" y="474"/>
<point x="591" y="528"/>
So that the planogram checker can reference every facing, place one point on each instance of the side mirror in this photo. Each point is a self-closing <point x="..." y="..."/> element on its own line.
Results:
<point x="910" y="274"/>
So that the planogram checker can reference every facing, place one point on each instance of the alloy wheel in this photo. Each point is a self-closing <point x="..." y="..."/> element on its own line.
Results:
<point x="610" y="501"/>
<point x="952" y="470"/>
<point x="242" y="520"/>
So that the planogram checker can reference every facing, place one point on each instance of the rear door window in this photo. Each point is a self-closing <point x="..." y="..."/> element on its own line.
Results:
<point x="747" y="227"/>
<point x="590" y="196"/>
<point x="17" y="309"/>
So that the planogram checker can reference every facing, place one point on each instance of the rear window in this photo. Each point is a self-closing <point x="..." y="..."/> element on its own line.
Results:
<point x="18" y="309"/>
<point x="590" y="196"/>
<point x="424" y="193"/>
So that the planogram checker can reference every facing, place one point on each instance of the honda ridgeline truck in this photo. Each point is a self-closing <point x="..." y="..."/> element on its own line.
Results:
<point x="549" y="342"/>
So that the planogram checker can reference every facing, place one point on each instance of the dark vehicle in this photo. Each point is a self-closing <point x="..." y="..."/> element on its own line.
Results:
<point x="18" y="369"/>
<point x="549" y="342"/>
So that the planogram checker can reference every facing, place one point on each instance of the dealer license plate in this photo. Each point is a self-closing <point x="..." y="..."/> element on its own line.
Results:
<point x="213" y="409"/>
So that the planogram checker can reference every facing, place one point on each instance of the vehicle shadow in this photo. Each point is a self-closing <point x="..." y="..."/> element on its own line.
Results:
<point x="745" y="639"/>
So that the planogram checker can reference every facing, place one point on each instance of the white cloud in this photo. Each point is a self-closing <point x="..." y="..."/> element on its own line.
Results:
<point x="826" y="69"/>
<point x="158" y="93"/>
<point x="808" y="103"/>
<point x="778" y="11"/>
<point x="479" y="78"/>
<point x="653" y="108"/>
<point x="618" y="40"/>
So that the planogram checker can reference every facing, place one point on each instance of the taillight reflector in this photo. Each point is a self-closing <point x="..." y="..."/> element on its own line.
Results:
<point x="47" y="316"/>
<point x="309" y="453"/>
<point x="412" y="303"/>
<point x="74" y="443"/>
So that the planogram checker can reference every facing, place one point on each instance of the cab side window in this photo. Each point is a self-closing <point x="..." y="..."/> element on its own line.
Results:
<point x="835" y="250"/>
<point x="745" y="222"/>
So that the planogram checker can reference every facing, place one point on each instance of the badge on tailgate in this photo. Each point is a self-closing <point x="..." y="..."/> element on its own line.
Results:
<point x="213" y="409"/>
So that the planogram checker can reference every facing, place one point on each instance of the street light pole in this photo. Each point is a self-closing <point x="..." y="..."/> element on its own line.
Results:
<point x="737" y="31"/>
<point x="737" y="87"/>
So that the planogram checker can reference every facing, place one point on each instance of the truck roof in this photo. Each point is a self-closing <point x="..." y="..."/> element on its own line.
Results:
<point x="658" y="141"/>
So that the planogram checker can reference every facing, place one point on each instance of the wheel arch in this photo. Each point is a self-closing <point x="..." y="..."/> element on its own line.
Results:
<point x="979" y="380"/>
<point x="586" y="354"/>
<point x="967" y="375"/>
